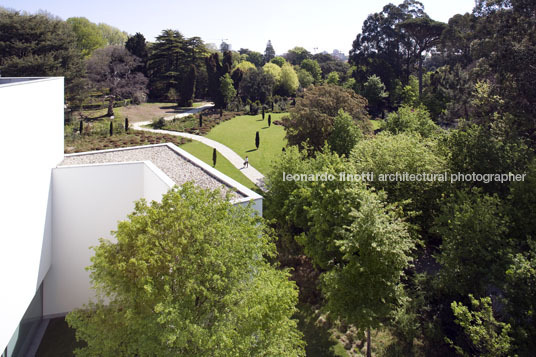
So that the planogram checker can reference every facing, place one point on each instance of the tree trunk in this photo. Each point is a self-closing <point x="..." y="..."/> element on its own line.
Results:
<point x="111" y="106"/>
<point x="369" y="352"/>
<point x="420" y="76"/>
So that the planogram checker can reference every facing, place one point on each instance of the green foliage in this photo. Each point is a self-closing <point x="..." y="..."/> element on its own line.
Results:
<point x="333" y="78"/>
<point x="289" y="80"/>
<point x="311" y="120"/>
<point x="269" y="52"/>
<point x="40" y="46"/>
<point x="406" y="152"/>
<point x="187" y="90"/>
<point x="376" y="249"/>
<point x="214" y="157"/>
<point x="188" y="276"/>
<point x="273" y="70"/>
<point x="245" y="66"/>
<point x="345" y="134"/>
<point x="410" y="93"/>
<point x="297" y="55"/>
<point x="280" y="61"/>
<point x="89" y="37"/>
<point x="113" y="35"/>
<point x="257" y="140"/>
<point x="313" y="68"/>
<point x="523" y="200"/>
<point x="487" y="337"/>
<point x="374" y="91"/>
<point x="257" y="85"/>
<point x="473" y="148"/>
<point x="170" y="60"/>
<point x="227" y="89"/>
<point x="305" y="78"/>
<point x="520" y="291"/>
<point x="413" y="120"/>
<point x="474" y="249"/>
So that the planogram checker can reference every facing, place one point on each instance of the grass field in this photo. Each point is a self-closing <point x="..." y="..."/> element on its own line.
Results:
<point x="239" y="135"/>
<point x="204" y="153"/>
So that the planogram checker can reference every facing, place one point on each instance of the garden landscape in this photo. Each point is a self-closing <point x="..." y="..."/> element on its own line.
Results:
<point x="427" y="247"/>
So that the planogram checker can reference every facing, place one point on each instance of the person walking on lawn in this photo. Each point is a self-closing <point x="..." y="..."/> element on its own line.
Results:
<point x="246" y="162"/>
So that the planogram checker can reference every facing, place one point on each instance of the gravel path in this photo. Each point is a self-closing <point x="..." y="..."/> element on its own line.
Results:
<point x="235" y="159"/>
<point x="172" y="164"/>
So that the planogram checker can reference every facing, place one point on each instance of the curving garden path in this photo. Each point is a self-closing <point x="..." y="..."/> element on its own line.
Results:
<point x="235" y="159"/>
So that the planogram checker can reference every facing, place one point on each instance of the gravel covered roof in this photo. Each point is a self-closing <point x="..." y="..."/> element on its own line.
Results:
<point x="178" y="168"/>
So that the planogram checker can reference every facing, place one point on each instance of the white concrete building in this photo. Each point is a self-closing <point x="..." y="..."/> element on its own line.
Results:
<point x="54" y="207"/>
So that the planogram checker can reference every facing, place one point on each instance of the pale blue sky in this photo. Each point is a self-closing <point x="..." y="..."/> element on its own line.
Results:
<point x="320" y="24"/>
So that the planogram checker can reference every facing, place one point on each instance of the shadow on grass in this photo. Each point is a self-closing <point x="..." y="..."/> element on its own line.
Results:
<point x="319" y="341"/>
<point x="252" y="150"/>
<point x="266" y="127"/>
<point x="59" y="340"/>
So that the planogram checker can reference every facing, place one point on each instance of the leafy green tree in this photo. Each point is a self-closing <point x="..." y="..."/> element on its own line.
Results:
<point x="269" y="52"/>
<point x="311" y="120"/>
<point x="89" y="37"/>
<point x="362" y="245"/>
<point x="170" y="58"/>
<point x="189" y="276"/>
<point x="137" y="45"/>
<point x="214" y="157"/>
<point x="313" y="68"/>
<point x="425" y="34"/>
<point x="245" y="66"/>
<point x="278" y="60"/>
<point x="113" y="35"/>
<point x="257" y="85"/>
<point x="474" y="249"/>
<point x="297" y="55"/>
<point x="289" y="80"/>
<point x="257" y="140"/>
<point x="486" y="336"/>
<point x="472" y="148"/>
<point x="305" y="78"/>
<point x="333" y="78"/>
<point x="110" y="69"/>
<point x="404" y="153"/>
<point x="520" y="294"/>
<point x="408" y="119"/>
<point x="41" y="45"/>
<point x="227" y="89"/>
<point x="256" y="58"/>
<point x="365" y="288"/>
<point x="375" y="93"/>
<point x="345" y="134"/>
<point x="187" y="92"/>
<point x="273" y="70"/>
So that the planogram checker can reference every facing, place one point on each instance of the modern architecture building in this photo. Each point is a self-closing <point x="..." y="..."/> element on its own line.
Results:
<point x="55" y="206"/>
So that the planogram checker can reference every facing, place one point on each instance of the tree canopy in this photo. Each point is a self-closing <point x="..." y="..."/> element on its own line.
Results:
<point x="189" y="276"/>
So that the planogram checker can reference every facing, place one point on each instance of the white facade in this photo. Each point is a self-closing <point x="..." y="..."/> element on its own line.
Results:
<point x="52" y="215"/>
<point x="31" y="138"/>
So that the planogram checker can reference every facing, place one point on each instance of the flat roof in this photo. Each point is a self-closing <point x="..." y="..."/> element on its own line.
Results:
<point x="7" y="81"/>
<point x="178" y="165"/>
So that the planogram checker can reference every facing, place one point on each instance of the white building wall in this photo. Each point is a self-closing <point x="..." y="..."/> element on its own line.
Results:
<point x="88" y="203"/>
<point x="31" y="143"/>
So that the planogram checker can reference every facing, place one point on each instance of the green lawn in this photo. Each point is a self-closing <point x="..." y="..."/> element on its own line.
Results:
<point x="204" y="153"/>
<point x="239" y="135"/>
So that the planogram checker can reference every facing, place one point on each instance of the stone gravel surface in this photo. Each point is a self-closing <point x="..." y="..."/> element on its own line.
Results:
<point x="171" y="163"/>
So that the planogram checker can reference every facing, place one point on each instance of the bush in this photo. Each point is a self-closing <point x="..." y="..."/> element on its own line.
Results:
<point x="408" y="119"/>
<point x="159" y="123"/>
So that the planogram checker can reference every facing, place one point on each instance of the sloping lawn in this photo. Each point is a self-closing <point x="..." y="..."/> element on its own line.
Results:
<point x="239" y="135"/>
<point x="204" y="153"/>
